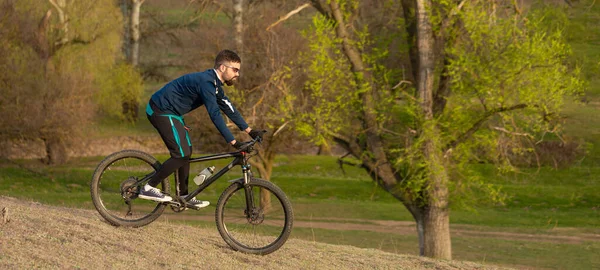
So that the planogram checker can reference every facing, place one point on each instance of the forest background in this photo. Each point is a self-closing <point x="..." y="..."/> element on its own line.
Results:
<point x="518" y="77"/>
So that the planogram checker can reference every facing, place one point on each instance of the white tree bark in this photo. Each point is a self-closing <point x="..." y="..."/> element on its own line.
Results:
<point x="238" y="24"/>
<point x="135" y="31"/>
<point x="60" y="6"/>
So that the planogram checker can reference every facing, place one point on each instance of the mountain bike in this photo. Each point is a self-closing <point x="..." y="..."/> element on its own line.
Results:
<point x="252" y="215"/>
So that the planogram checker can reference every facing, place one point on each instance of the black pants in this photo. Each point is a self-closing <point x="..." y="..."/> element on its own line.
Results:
<point x="173" y="133"/>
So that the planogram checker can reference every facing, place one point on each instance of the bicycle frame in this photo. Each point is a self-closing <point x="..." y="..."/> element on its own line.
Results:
<point x="239" y="159"/>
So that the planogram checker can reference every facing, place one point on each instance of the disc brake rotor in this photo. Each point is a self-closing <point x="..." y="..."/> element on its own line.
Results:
<point x="256" y="217"/>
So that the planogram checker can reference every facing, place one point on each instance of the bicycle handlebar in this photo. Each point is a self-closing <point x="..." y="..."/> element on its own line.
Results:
<point x="247" y="147"/>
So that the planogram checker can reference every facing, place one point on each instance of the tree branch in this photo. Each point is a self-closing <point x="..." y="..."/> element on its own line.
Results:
<point x="52" y="2"/>
<point x="280" y="128"/>
<point x="443" y="91"/>
<point x="462" y="138"/>
<point x="287" y="16"/>
<point x="516" y="6"/>
<point x="343" y="162"/>
<point x="62" y="16"/>
<point x="453" y="12"/>
<point x="512" y="133"/>
<point x="401" y="83"/>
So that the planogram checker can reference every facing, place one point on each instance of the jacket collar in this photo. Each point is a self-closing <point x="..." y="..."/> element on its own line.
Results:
<point x="219" y="82"/>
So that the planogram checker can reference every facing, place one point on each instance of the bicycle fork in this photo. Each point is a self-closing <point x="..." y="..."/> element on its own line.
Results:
<point x="250" y="209"/>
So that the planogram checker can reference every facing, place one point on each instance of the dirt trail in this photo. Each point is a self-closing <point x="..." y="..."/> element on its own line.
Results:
<point x="409" y="228"/>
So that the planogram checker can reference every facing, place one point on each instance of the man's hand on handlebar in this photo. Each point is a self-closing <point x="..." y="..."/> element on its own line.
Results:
<point x="242" y="145"/>
<point x="238" y="145"/>
<point x="256" y="134"/>
<point x="256" y="137"/>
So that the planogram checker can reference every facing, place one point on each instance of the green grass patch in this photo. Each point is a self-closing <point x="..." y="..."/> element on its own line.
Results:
<point x="516" y="253"/>
<point x="529" y="254"/>
<point x="397" y="243"/>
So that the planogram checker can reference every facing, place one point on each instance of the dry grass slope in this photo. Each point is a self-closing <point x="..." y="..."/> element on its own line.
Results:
<point x="41" y="236"/>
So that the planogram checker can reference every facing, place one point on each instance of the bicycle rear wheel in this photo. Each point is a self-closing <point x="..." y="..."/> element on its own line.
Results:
<point x="114" y="190"/>
<point x="262" y="230"/>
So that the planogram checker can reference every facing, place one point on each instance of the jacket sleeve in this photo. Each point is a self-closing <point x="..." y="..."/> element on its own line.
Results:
<point x="229" y="110"/>
<point x="209" y="97"/>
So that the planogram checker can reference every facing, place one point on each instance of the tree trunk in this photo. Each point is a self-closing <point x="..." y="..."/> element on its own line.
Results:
<point x="265" y="169"/>
<point x="131" y="48"/>
<point x="130" y="110"/>
<point x="56" y="151"/>
<point x="42" y="46"/>
<point x="135" y="31"/>
<point x="238" y="23"/>
<point x="126" y="10"/>
<point x="436" y="215"/>
<point x="265" y="172"/>
<point x="436" y="236"/>
<point x="264" y="165"/>
<point x="420" y="232"/>
<point x="436" y="220"/>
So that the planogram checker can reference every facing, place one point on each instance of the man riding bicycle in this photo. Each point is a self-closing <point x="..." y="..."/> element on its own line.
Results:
<point x="165" y="111"/>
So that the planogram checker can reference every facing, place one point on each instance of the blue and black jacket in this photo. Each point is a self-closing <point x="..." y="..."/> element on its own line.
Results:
<point x="191" y="91"/>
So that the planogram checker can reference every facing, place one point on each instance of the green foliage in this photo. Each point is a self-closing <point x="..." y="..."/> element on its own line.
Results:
<point x="510" y="78"/>
<point x="97" y="19"/>
<point x="335" y="99"/>
<point x="509" y="73"/>
<point x="284" y="109"/>
<point x="330" y="88"/>
<point x="121" y="84"/>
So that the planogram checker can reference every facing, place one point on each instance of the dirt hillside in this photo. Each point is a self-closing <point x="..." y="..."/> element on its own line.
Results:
<point x="33" y="235"/>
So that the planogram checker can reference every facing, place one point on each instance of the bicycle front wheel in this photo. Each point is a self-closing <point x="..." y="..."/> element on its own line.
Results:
<point x="261" y="227"/>
<point x="114" y="190"/>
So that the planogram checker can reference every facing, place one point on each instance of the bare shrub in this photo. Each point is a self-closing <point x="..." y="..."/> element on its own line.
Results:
<point x="46" y="86"/>
<point x="554" y="153"/>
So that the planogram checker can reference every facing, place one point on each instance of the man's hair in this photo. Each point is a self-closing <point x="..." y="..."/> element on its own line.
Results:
<point x="227" y="56"/>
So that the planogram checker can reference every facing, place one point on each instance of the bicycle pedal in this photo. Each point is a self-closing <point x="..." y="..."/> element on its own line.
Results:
<point x="193" y="207"/>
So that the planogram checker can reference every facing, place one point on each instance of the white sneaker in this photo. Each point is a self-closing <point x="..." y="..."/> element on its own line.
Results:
<point x="195" y="203"/>
<point x="154" y="194"/>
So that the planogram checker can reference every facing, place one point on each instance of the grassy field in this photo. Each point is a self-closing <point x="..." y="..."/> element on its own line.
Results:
<point x="550" y="221"/>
